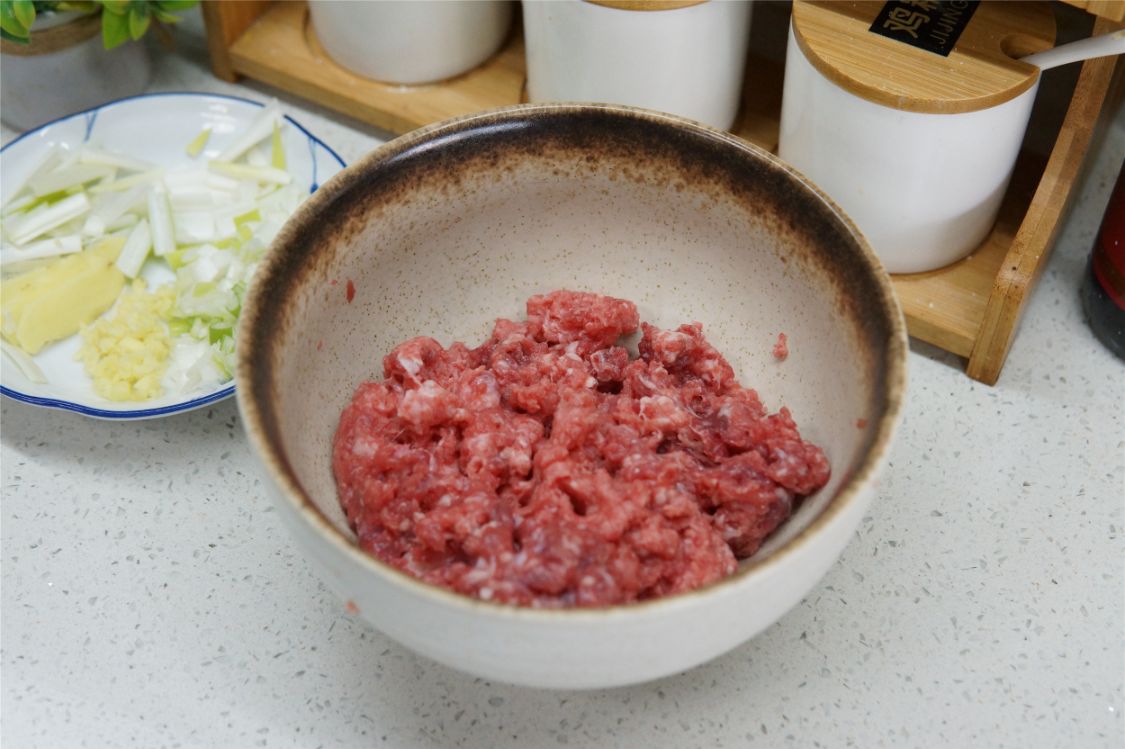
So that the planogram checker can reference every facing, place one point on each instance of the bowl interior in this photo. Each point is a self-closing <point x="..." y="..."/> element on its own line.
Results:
<point x="440" y="232"/>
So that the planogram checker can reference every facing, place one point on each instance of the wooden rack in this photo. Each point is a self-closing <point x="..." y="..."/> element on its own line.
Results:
<point x="971" y="308"/>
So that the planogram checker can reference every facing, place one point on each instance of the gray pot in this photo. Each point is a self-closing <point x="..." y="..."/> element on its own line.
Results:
<point x="67" y="71"/>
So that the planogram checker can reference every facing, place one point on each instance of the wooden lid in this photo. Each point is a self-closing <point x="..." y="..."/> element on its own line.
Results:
<point x="979" y="68"/>
<point x="646" y="4"/>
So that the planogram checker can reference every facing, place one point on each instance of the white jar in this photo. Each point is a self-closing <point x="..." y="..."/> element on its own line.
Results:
<point x="410" y="42"/>
<point x="923" y="178"/>
<point x="684" y="58"/>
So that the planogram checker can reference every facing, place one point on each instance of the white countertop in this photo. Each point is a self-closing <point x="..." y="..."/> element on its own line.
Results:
<point x="151" y="598"/>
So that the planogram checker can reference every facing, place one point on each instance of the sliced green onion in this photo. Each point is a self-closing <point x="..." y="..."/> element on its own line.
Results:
<point x="242" y="218"/>
<point x="45" y="200"/>
<point x="118" y="161"/>
<point x="124" y="221"/>
<point x="53" y="247"/>
<point x="277" y="148"/>
<point x="18" y="205"/>
<point x="160" y="219"/>
<point x="199" y="142"/>
<point x="258" y="131"/>
<point x="219" y="333"/>
<point x="131" y="181"/>
<point x="65" y="179"/>
<point x="136" y="249"/>
<point x="255" y="173"/>
<point x="47" y="217"/>
<point x="45" y="163"/>
<point x="108" y="207"/>
<point x="193" y="227"/>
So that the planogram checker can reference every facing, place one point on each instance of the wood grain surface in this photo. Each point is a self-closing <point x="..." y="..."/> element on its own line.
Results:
<point x="1026" y="257"/>
<point x="979" y="73"/>
<point x="1113" y="10"/>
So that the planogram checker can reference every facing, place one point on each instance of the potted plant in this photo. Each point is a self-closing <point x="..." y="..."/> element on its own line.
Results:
<point x="62" y="56"/>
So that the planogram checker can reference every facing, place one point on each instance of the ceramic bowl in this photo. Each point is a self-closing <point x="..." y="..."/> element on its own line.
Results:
<point x="445" y="229"/>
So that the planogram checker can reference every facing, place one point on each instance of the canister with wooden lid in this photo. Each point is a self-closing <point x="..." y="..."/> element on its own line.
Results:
<point x="911" y="114"/>
<point x="410" y="43"/>
<point x="680" y="56"/>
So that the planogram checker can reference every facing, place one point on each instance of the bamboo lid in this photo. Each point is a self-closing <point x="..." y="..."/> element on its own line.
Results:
<point x="646" y="4"/>
<point x="926" y="56"/>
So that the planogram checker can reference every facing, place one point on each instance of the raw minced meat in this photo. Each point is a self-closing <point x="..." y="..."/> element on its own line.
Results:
<point x="547" y="467"/>
<point x="781" y="348"/>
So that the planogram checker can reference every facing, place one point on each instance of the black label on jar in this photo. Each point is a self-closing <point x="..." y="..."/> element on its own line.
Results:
<point x="932" y="25"/>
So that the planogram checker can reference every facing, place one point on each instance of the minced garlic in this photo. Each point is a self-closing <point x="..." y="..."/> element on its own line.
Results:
<point x="126" y="353"/>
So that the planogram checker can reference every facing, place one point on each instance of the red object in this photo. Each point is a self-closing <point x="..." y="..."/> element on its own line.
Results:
<point x="781" y="348"/>
<point x="350" y="291"/>
<point x="1103" y="288"/>
<point x="546" y="468"/>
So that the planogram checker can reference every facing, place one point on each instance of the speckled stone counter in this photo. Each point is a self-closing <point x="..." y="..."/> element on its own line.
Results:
<point x="151" y="598"/>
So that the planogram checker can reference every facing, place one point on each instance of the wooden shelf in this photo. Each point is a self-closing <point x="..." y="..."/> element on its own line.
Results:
<point x="971" y="308"/>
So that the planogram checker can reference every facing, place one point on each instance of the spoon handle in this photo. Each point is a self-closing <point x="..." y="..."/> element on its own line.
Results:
<point x="1102" y="45"/>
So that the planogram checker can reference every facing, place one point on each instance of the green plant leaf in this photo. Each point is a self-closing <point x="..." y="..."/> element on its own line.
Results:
<point x="115" y="7"/>
<point x="167" y="18"/>
<point x="81" y="6"/>
<point x="173" y="6"/>
<point x="24" y="11"/>
<point x="115" y="30"/>
<point x="8" y="36"/>
<point x="10" y="23"/>
<point x="139" y="19"/>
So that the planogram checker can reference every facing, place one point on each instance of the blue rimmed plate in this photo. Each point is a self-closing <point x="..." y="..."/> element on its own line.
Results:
<point x="154" y="128"/>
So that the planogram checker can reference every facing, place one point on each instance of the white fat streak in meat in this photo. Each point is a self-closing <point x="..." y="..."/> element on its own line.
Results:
<point x="672" y="344"/>
<point x="417" y="403"/>
<point x="491" y="396"/>
<point x="363" y="447"/>
<point x="644" y="380"/>
<point x="410" y="364"/>
<point x="483" y="569"/>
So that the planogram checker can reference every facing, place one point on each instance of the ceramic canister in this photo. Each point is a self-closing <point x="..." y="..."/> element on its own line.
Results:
<point x="410" y="42"/>
<point x="680" y="56"/>
<point x="911" y="115"/>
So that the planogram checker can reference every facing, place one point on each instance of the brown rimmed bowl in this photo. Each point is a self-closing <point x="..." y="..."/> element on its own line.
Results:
<point x="447" y="228"/>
